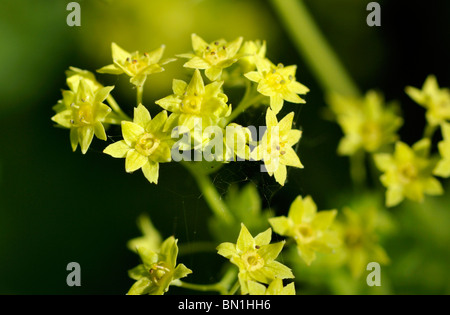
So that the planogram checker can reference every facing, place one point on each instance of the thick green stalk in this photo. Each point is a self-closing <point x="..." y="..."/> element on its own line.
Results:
<point x="312" y="45"/>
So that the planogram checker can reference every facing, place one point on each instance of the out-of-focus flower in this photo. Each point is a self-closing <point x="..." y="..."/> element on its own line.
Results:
<point x="443" y="167"/>
<point x="309" y="228"/>
<point x="367" y="123"/>
<point x="360" y="240"/>
<point x="435" y="100"/>
<point x="408" y="173"/>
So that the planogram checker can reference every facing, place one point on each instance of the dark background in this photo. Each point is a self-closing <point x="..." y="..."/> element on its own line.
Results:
<point x="57" y="206"/>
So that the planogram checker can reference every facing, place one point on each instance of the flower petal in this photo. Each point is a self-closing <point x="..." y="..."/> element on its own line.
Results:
<point x="131" y="132"/>
<point x="245" y="240"/>
<point x="134" y="161"/>
<point x="119" y="54"/>
<point x="197" y="63"/>
<point x="118" y="149"/>
<point x="151" y="171"/>
<point x="141" y="116"/>
<point x="85" y="136"/>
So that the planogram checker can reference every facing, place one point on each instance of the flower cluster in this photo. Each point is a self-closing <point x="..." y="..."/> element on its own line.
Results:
<point x="370" y="127"/>
<point x="197" y="117"/>
<point x="197" y="122"/>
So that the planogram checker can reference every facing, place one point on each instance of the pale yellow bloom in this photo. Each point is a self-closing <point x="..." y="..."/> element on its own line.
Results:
<point x="408" y="173"/>
<point x="275" y="148"/>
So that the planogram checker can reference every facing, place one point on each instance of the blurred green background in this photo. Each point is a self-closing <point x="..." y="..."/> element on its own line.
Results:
<point x="57" y="206"/>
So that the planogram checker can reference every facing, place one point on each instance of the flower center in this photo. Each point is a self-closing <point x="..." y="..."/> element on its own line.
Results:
<point x="252" y="260"/>
<point x="147" y="144"/>
<point x="371" y="135"/>
<point x="353" y="238"/>
<point x="83" y="113"/>
<point x="276" y="80"/>
<point x="136" y="62"/>
<point x="215" y="53"/>
<point x="304" y="233"/>
<point x="157" y="272"/>
<point x="408" y="173"/>
<point x="191" y="104"/>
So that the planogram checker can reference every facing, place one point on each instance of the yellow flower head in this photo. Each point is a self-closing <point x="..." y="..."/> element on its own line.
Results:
<point x="310" y="229"/>
<point x="255" y="258"/>
<point x="277" y="82"/>
<point x="83" y="112"/>
<point x="194" y="101"/>
<point x="75" y="75"/>
<point x="408" y="173"/>
<point x="366" y="122"/>
<point x="136" y="65"/>
<point x="434" y="99"/>
<point x="443" y="167"/>
<point x="275" y="148"/>
<point x="250" y="52"/>
<point x="360" y="239"/>
<point x="145" y="145"/>
<point x="212" y="57"/>
<point x="159" y="269"/>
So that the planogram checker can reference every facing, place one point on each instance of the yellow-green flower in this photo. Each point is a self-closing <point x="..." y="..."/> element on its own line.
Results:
<point x="360" y="239"/>
<point x="213" y="57"/>
<point x="367" y="123"/>
<point x="250" y="52"/>
<point x="435" y="100"/>
<point x="275" y="148"/>
<point x="136" y="65"/>
<point x="83" y="112"/>
<point x="443" y="167"/>
<point x="408" y="173"/>
<point x="255" y="258"/>
<point x="277" y="82"/>
<point x="275" y="288"/>
<point x="145" y="145"/>
<point x="195" y="102"/>
<point x="150" y="238"/>
<point x="158" y="270"/>
<point x="310" y="229"/>
<point x="75" y="75"/>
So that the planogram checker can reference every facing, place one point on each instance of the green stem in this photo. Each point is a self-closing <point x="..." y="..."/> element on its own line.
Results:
<point x="210" y="193"/>
<point x="313" y="46"/>
<point x="116" y="108"/>
<point x="234" y="288"/>
<point x="216" y="287"/>
<point x="358" y="169"/>
<point x="222" y="286"/>
<point x="140" y="93"/>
